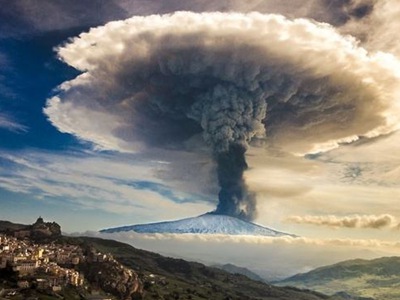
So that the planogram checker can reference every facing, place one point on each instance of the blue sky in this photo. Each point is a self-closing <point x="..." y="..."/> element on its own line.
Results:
<point x="30" y="71"/>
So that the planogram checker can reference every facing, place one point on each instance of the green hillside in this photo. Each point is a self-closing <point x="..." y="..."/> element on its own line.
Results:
<point x="169" y="278"/>
<point x="129" y="273"/>
<point x="230" y="268"/>
<point x="377" y="279"/>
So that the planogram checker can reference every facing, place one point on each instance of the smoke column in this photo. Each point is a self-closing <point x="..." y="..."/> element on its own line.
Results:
<point x="158" y="81"/>
<point x="234" y="198"/>
<point x="230" y="116"/>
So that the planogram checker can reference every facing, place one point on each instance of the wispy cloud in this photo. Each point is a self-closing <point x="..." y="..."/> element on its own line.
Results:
<point x="8" y="123"/>
<point x="124" y="185"/>
<point x="353" y="221"/>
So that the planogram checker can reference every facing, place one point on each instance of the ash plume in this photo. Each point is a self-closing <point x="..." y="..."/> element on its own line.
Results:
<point x="234" y="197"/>
<point x="160" y="81"/>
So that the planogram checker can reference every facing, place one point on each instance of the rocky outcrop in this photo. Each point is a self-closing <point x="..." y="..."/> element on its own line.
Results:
<point x="41" y="229"/>
<point x="112" y="277"/>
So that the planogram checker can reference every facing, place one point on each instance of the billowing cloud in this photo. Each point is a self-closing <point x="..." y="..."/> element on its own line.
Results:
<point x="353" y="221"/>
<point x="320" y="88"/>
<point x="378" y="29"/>
<point x="161" y="81"/>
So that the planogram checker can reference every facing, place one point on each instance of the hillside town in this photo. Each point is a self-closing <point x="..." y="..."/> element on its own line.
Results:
<point x="47" y="267"/>
<point x="41" y="264"/>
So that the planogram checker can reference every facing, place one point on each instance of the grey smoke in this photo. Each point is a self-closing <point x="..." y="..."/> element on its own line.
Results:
<point x="34" y="17"/>
<point x="159" y="81"/>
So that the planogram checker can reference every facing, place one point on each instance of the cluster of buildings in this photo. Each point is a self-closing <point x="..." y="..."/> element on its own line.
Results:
<point x="47" y="266"/>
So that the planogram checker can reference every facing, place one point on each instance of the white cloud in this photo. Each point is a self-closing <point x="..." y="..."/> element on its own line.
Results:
<point x="271" y="257"/>
<point x="353" y="221"/>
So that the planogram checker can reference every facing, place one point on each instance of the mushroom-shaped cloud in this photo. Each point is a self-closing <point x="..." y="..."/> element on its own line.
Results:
<point x="157" y="81"/>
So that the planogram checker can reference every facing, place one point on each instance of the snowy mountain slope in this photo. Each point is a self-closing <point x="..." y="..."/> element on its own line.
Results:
<point x="204" y="224"/>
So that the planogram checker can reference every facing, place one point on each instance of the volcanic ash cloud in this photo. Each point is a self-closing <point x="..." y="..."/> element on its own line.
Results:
<point x="158" y="81"/>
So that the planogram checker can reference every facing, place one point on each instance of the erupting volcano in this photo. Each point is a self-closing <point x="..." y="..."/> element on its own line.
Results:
<point x="237" y="80"/>
<point x="210" y="223"/>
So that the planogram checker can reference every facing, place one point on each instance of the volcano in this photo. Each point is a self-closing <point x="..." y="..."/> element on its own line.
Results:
<point x="204" y="224"/>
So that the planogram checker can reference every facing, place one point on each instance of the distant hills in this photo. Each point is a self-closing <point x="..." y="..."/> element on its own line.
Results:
<point x="169" y="278"/>
<point x="372" y="279"/>
<point x="204" y="224"/>
<point x="239" y="270"/>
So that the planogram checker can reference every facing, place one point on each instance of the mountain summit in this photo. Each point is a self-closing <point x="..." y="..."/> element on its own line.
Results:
<point x="204" y="224"/>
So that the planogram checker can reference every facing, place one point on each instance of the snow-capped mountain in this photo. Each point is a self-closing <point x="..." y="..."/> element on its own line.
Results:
<point x="205" y="224"/>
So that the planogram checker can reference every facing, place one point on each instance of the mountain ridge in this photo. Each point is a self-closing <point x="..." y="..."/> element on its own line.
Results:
<point x="208" y="223"/>
<point x="372" y="279"/>
<point x="233" y="269"/>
